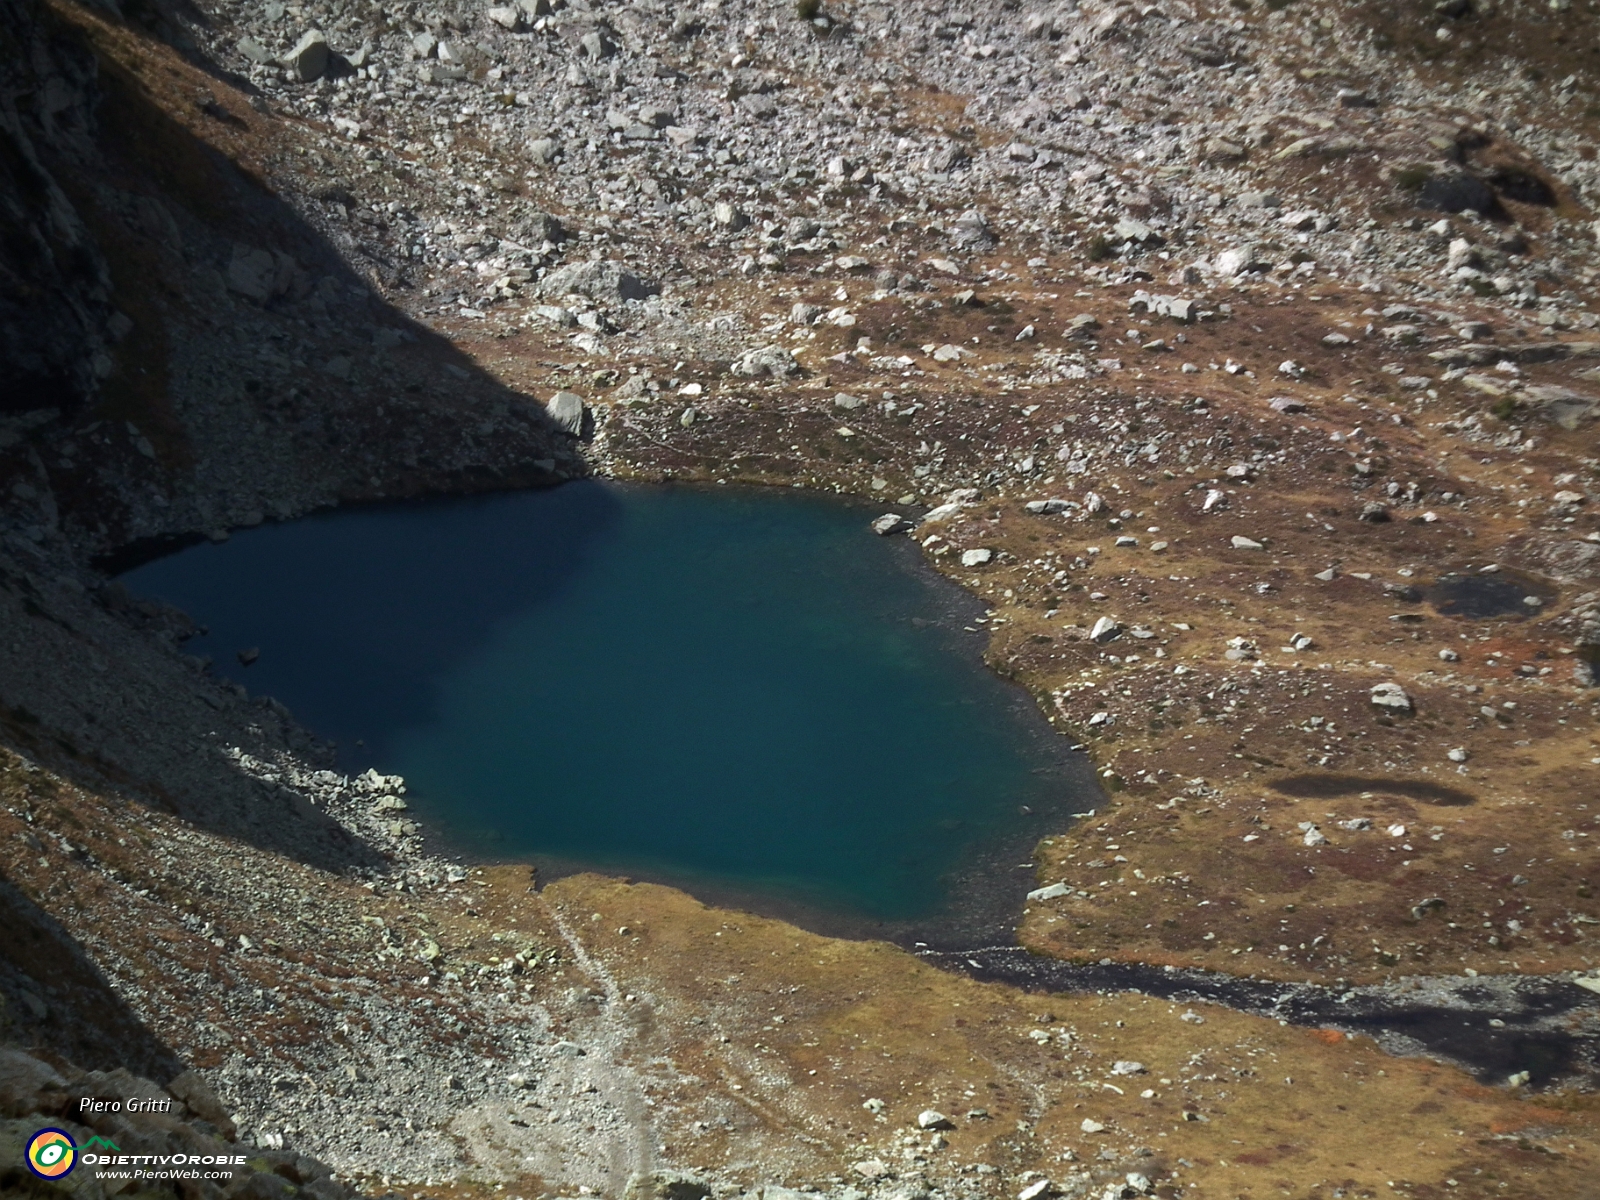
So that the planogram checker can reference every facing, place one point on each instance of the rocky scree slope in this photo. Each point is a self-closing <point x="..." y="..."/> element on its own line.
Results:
<point x="441" y="1032"/>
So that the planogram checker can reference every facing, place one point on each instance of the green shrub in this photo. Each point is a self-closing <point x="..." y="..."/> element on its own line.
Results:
<point x="1411" y="179"/>
<point x="807" y="10"/>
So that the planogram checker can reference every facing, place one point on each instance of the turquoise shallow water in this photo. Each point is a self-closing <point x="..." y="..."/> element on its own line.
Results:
<point x="746" y="693"/>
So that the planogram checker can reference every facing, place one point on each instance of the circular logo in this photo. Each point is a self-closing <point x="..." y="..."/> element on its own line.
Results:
<point x="52" y="1154"/>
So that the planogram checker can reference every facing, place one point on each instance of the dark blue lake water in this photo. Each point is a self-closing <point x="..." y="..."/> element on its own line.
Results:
<point x="745" y="693"/>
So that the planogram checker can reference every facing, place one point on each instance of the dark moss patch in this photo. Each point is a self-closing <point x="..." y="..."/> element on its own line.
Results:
<point x="1328" y="786"/>
<point x="1477" y="597"/>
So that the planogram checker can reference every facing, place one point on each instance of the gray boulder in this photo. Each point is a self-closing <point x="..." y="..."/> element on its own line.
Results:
<point x="665" y="1185"/>
<point x="598" y="280"/>
<point x="542" y="227"/>
<point x="1391" y="696"/>
<point x="766" y="360"/>
<point x="309" y="58"/>
<point x="566" y="410"/>
<point x="259" y="275"/>
<point x="759" y="105"/>
<point x="253" y="50"/>
<point x="971" y="232"/>
<point x="945" y="157"/>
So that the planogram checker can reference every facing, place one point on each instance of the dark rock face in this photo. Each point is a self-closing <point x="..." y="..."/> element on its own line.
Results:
<point x="56" y="996"/>
<point x="1523" y="187"/>
<point x="143" y="272"/>
<point x="1458" y="192"/>
<point x="55" y="311"/>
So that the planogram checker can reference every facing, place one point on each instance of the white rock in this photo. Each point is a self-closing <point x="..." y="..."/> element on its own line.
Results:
<point x="1130" y="229"/>
<point x="1391" y="695"/>
<point x="1036" y="1189"/>
<point x="1053" y="892"/>
<point x="930" y="1118"/>
<point x="1213" y="498"/>
<point x="1244" y="543"/>
<point x="1104" y="630"/>
<point x="975" y="558"/>
<point x="1457" y="755"/>
<point x="1090" y="1125"/>
<point x="728" y="216"/>
<point x="1315" y="837"/>
<point x="1164" y="306"/>
<point x="890" y="523"/>
<point x="1235" y="261"/>
<point x="1124" y="1067"/>
<point x="766" y="360"/>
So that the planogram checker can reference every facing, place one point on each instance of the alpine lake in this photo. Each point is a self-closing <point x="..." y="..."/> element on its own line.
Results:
<point x="743" y="693"/>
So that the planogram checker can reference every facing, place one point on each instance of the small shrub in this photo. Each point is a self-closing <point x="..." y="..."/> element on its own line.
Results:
<point x="1504" y="407"/>
<point x="1412" y="179"/>
<point x="1099" y="249"/>
<point x="808" y="10"/>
